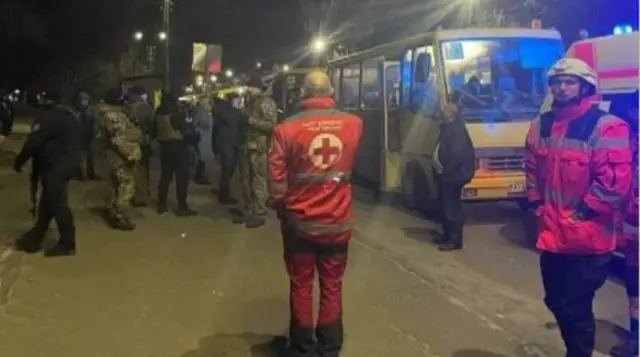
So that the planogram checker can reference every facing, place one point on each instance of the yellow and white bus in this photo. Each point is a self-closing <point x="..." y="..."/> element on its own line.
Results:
<point x="399" y="88"/>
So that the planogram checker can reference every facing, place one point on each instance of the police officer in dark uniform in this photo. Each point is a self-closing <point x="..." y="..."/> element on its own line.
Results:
<point x="54" y="145"/>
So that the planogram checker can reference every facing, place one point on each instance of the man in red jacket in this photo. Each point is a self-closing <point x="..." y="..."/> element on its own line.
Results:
<point x="629" y="241"/>
<point x="310" y="162"/>
<point x="578" y="168"/>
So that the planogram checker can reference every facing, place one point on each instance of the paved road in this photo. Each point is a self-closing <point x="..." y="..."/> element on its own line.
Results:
<point x="203" y="287"/>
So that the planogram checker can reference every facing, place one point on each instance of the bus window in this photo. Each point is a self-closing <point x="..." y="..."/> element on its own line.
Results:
<point x="407" y="74"/>
<point x="335" y="82"/>
<point x="501" y="79"/>
<point x="424" y="92"/>
<point x="371" y="88"/>
<point x="350" y="86"/>
<point x="392" y="88"/>
<point x="392" y="76"/>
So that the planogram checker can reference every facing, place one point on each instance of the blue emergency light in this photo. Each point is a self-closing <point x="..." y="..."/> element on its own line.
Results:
<point x="620" y="29"/>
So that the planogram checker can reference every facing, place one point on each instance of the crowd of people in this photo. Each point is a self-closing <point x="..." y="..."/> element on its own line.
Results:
<point x="580" y="164"/>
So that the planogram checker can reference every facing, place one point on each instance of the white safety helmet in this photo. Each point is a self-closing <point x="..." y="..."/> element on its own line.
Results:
<point x="574" y="67"/>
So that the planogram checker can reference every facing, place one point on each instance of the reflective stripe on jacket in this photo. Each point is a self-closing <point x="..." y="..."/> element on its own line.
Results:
<point x="310" y="162"/>
<point x="578" y="160"/>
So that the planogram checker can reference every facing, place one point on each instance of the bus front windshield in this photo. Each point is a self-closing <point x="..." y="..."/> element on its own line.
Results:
<point x="501" y="79"/>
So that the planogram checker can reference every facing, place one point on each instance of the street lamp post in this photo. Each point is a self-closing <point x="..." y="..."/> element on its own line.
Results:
<point x="166" y="8"/>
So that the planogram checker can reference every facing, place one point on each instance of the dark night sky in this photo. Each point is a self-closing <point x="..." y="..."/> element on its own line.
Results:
<point x="249" y="30"/>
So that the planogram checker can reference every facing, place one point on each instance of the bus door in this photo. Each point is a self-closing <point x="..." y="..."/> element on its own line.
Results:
<point x="391" y="148"/>
<point x="419" y="127"/>
<point x="371" y="110"/>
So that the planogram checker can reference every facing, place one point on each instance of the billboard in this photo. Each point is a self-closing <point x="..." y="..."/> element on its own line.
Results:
<point x="206" y="58"/>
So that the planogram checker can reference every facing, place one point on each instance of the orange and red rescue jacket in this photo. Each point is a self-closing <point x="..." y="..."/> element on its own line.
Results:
<point x="578" y="169"/>
<point x="630" y="224"/>
<point x="310" y="162"/>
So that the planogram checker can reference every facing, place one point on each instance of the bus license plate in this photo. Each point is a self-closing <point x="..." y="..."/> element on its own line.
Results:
<point x="516" y="188"/>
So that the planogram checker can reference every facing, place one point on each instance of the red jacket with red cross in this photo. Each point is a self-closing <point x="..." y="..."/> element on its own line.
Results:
<point x="578" y="169"/>
<point x="310" y="162"/>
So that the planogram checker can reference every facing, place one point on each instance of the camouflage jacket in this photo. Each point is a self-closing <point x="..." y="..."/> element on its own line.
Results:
<point x="262" y="116"/>
<point x="122" y="138"/>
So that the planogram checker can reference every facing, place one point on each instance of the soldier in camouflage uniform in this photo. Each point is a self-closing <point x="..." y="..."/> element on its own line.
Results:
<point x="143" y="115"/>
<point x="261" y="115"/>
<point x="122" y="139"/>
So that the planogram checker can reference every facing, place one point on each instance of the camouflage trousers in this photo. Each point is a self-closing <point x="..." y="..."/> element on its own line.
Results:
<point x="123" y="188"/>
<point x="252" y="167"/>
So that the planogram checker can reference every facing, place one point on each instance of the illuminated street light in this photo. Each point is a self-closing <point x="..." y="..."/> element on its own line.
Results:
<point x="228" y="73"/>
<point x="258" y="65"/>
<point x="138" y="36"/>
<point x="162" y="36"/>
<point x="213" y="78"/>
<point x="319" y="45"/>
<point x="199" y="80"/>
<point x="286" y="68"/>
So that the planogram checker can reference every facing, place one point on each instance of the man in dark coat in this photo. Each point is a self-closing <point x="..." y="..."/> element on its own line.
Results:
<point x="455" y="164"/>
<point x="55" y="147"/>
<point x="227" y="139"/>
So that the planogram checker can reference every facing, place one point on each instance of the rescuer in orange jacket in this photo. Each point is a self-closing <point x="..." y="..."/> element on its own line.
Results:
<point x="310" y="162"/>
<point x="630" y="243"/>
<point x="578" y="168"/>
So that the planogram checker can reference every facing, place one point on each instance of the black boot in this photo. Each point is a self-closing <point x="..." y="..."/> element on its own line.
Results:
<point x="162" y="208"/>
<point x="123" y="224"/>
<point x="30" y="242"/>
<point x="255" y="222"/>
<point x="454" y="243"/>
<point x="185" y="211"/>
<point x="61" y="250"/>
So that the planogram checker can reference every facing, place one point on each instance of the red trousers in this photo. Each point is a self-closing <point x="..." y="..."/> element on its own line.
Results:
<point x="303" y="259"/>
